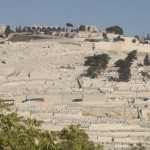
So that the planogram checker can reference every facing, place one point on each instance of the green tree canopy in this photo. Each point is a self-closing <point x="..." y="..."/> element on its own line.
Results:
<point x="137" y="37"/>
<point x="82" y="28"/>
<point x="7" y="31"/>
<point x="124" y="70"/>
<point x="96" y="63"/>
<point x="124" y="66"/>
<point x="146" y="60"/>
<point x="18" y="133"/>
<point x="131" y="56"/>
<point x="115" y="30"/>
<point x="73" y="138"/>
<point x="69" y="25"/>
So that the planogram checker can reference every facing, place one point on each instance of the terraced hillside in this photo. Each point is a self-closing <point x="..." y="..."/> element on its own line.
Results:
<point x="112" y="113"/>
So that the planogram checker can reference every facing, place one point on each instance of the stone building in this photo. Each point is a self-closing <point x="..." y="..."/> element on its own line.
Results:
<point x="2" y="28"/>
<point x="91" y="28"/>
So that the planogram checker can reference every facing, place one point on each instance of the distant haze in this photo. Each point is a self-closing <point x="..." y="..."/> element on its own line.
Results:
<point x="131" y="15"/>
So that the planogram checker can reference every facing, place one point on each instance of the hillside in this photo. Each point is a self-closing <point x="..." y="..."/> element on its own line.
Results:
<point x="112" y="113"/>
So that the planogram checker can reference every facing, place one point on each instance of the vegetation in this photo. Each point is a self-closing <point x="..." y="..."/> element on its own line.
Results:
<point x="131" y="57"/>
<point x="24" y="38"/>
<point x="7" y="31"/>
<point x="148" y="38"/>
<point x="82" y="28"/>
<point x="143" y="41"/>
<point x="138" y="146"/>
<point x="137" y="37"/>
<point x="118" y="39"/>
<point x="124" y="70"/>
<point x="133" y="40"/>
<point x="115" y="30"/>
<point x="18" y="133"/>
<point x="105" y="36"/>
<point x="18" y="29"/>
<point x="73" y="138"/>
<point x="92" y="40"/>
<point x="24" y="29"/>
<point x="124" y="66"/>
<point x="146" y="60"/>
<point x="97" y="64"/>
<point x="69" y="25"/>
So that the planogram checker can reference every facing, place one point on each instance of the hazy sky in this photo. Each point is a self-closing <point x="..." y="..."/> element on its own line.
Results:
<point x="131" y="15"/>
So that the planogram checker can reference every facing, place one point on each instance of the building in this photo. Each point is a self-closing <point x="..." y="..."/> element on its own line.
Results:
<point x="2" y="28"/>
<point x="91" y="28"/>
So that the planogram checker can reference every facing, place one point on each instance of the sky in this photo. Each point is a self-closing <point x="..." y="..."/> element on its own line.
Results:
<point x="131" y="15"/>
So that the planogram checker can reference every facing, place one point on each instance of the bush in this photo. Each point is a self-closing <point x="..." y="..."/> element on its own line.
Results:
<point x="138" y="146"/>
<point x="143" y="42"/>
<point x="133" y="40"/>
<point x="66" y="34"/>
<point x="118" y="39"/>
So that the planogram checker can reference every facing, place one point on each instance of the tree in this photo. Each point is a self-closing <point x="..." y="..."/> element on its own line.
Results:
<point x="24" y="29"/>
<point x="131" y="56"/>
<point x="19" y="29"/>
<point x="124" y="66"/>
<point x="69" y="25"/>
<point x="124" y="70"/>
<point x="16" y="29"/>
<point x="147" y="38"/>
<point x="18" y="133"/>
<point x="93" y="71"/>
<point x="137" y="37"/>
<point x="82" y="28"/>
<point x="115" y="30"/>
<point x="74" y="138"/>
<point x="146" y="60"/>
<point x="96" y="63"/>
<point x="7" y="31"/>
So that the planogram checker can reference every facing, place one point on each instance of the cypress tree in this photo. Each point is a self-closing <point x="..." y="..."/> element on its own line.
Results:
<point x="146" y="60"/>
<point x="124" y="66"/>
<point x="7" y="31"/>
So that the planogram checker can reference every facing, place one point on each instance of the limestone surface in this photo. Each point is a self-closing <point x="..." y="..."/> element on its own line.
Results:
<point x="112" y="113"/>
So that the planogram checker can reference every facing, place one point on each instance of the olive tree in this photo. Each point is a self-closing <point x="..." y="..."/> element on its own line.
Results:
<point x="97" y="64"/>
